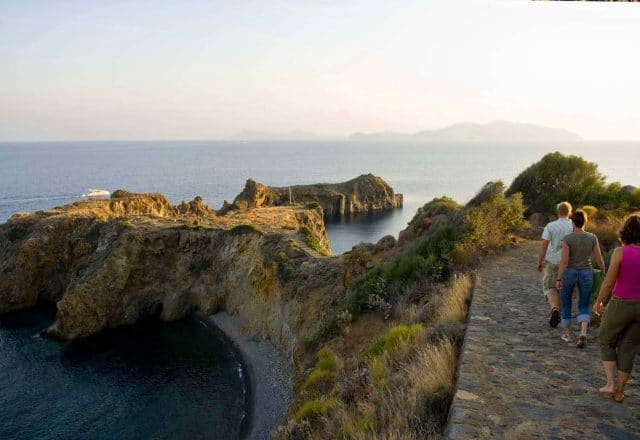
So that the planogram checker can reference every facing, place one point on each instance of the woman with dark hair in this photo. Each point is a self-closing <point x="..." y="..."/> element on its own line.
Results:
<point x="575" y="270"/>
<point x="619" y="336"/>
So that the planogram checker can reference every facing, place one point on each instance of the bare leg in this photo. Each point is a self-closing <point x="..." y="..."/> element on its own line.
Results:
<point x="610" y="372"/>
<point x="554" y="300"/>
<point x="622" y="381"/>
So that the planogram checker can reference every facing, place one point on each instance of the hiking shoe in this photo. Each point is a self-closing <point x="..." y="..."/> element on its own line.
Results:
<point x="566" y="337"/>
<point x="554" y="320"/>
<point x="582" y="341"/>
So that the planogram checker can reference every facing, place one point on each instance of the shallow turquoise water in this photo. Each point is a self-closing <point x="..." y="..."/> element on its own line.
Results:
<point x="151" y="380"/>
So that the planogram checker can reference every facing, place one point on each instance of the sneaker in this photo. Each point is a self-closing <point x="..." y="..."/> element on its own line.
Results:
<point x="582" y="341"/>
<point x="566" y="337"/>
<point x="554" y="320"/>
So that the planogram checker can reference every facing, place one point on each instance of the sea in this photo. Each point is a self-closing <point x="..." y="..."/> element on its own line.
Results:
<point x="183" y="380"/>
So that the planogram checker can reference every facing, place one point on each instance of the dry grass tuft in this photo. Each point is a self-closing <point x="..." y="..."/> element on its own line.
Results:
<point x="455" y="301"/>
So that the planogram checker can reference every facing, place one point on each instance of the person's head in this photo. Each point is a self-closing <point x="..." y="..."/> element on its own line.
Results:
<point x="579" y="218"/>
<point x="630" y="231"/>
<point x="564" y="209"/>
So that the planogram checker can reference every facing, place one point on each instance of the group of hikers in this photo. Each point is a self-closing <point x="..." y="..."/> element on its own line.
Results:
<point x="565" y="259"/>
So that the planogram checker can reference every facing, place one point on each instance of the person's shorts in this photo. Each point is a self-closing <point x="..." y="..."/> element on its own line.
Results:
<point x="549" y="277"/>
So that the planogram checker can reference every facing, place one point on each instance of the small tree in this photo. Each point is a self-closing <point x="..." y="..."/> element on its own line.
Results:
<point x="556" y="178"/>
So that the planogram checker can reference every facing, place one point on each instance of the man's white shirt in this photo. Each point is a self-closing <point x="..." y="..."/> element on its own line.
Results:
<point x="555" y="233"/>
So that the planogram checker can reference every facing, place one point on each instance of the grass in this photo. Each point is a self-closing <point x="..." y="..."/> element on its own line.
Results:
<point x="394" y="339"/>
<point x="324" y="371"/>
<point x="454" y="304"/>
<point x="315" y="408"/>
<point x="312" y="240"/>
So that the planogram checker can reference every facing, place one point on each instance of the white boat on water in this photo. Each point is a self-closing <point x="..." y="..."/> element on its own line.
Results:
<point x="97" y="193"/>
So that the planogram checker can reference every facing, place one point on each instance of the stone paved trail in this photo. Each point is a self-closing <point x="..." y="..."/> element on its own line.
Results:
<point x="518" y="379"/>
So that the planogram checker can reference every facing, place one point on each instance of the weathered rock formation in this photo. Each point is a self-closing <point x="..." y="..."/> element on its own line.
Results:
<point x="107" y="263"/>
<point x="365" y="193"/>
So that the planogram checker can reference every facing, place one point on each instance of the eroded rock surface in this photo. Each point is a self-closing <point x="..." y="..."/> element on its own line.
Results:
<point x="107" y="263"/>
<point x="365" y="193"/>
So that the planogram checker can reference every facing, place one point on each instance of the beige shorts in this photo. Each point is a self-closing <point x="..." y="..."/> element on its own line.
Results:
<point x="549" y="277"/>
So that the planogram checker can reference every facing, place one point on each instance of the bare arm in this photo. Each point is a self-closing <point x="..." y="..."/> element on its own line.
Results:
<point x="563" y="264"/>
<point x="609" y="281"/>
<point x="599" y="259"/>
<point x="542" y="253"/>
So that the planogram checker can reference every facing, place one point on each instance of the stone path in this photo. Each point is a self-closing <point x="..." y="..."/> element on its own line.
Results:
<point x="518" y="379"/>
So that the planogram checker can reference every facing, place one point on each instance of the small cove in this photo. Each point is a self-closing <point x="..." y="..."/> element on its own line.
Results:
<point x="153" y="380"/>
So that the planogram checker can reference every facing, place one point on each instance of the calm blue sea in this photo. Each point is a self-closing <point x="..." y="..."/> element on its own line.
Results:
<point x="180" y="380"/>
<point x="42" y="175"/>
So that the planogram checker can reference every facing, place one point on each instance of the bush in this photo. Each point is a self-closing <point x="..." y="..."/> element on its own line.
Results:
<point x="245" y="229"/>
<point x="437" y="206"/>
<point x="467" y="234"/>
<point x="591" y="211"/>
<point x="315" y="408"/>
<point x="312" y="205"/>
<point x="557" y="177"/>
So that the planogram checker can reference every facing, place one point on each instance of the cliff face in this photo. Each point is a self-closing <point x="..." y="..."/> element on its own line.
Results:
<point x="107" y="263"/>
<point x="365" y="193"/>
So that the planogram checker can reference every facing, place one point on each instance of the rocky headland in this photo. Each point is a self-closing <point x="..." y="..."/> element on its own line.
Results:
<point x="106" y="263"/>
<point x="365" y="193"/>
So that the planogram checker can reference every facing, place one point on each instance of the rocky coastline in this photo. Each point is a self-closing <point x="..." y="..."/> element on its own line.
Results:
<point x="107" y="263"/>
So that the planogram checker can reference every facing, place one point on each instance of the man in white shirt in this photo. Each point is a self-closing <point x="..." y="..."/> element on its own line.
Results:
<point x="550" y="255"/>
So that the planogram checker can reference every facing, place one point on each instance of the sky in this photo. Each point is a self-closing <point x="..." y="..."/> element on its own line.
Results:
<point x="107" y="70"/>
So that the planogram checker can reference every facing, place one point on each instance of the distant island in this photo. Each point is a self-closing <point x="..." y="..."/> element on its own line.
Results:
<point x="499" y="131"/>
<point x="469" y="131"/>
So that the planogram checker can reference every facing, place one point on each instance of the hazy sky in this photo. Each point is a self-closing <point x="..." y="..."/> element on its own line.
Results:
<point x="207" y="69"/>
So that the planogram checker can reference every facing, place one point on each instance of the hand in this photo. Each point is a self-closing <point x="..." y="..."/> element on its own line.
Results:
<point x="597" y="307"/>
<point x="539" y="267"/>
<point x="559" y="285"/>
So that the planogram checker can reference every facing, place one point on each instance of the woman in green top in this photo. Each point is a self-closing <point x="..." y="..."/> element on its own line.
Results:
<point x="575" y="270"/>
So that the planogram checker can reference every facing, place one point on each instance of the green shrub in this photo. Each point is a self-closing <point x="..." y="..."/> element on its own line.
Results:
<point x="312" y="205"/>
<point x="200" y="265"/>
<point x="437" y="206"/>
<point x="591" y="211"/>
<point x="468" y="233"/>
<point x="315" y="408"/>
<point x="245" y="229"/>
<point x="557" y="177"/>
<point x="312" y="240"/>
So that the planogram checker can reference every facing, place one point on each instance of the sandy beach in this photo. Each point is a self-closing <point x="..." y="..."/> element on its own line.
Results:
<point x="270" y="377"/>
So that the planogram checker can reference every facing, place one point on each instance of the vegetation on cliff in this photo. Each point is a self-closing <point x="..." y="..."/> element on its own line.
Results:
<point x="396" y="332"/>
